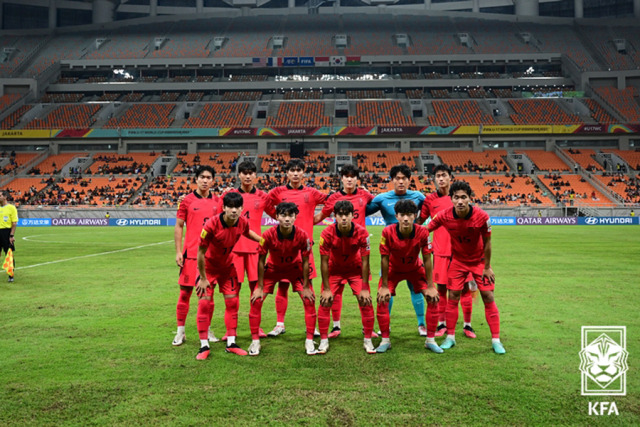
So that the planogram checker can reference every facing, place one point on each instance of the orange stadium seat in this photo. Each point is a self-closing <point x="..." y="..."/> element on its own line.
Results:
<point x="46" y="167"/>
<point x="143" y="116"/>
<point x="220" y="115"/>
<point x="494" y="190"/>
<point x="487" y="161"/>
<point x="546" y="160"/>
<point x="540" y="112"/>
<point x="79" y="116"/>
<point x="454" y="113"/>
<point x="585" y="157"/>
<point x="584" y="193"/>
<point x="631" y="157"/>
<point x="622" y="101"/>
<point x="299" y="114"/>
<point x="380" y="113"/>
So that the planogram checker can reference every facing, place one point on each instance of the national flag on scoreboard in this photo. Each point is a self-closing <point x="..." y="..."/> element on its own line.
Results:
<point x="259" y="62"/>
<point x="8" y="263"/>
<point x="274" y="62"/>
<point x="353" y="60"/>
<point x="322" y="61"/>
<point x="338" y="61"/>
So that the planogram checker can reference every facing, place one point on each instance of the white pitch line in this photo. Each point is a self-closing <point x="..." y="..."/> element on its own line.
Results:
<point x="92" y="255"/>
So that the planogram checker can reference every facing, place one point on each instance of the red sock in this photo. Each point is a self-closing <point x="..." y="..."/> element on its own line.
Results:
<point x="431" y="319"/>
<point x="252" y="286"/>
<point x="466" y="301"/>
<point x="282" y="300"/>
<point x="367" y="320"/>
<point x="309" y="317"/>
<point x="442" y="305"/>
<point x="211" y="306"/>
<point x="231" y="315"/>
<point x="323" y="321"/>
<point x="255" y="317"/>
<point x="203" y="319"/>
<point x="182" y="308"/>
<point x="382" y="313"/>
<point x="452" y="316"/>
<point x="493" y="318"/>
<point x="336" y="307"/>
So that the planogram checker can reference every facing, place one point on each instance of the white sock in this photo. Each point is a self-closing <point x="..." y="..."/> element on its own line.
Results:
<point x="280" y="324"/>
<point x="324" y="342"/>
<point x="385" y="341"/>
<point x="467" y="324"/>
<point x="451" y="337"/>
<point x="308" y="341"/>
<point x="495" y="340"/>
<point x="336" y="323"/>
<point x="431" y="340"/>
<point x="230" y="340"/>
<point x="181" y="329"/>
<point x="204" y="343"/>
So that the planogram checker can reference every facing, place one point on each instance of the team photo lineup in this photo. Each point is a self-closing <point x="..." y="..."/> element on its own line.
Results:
<point x="223" y="241"/>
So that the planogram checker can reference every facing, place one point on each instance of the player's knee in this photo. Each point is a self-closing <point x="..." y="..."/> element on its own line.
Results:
<point x="454" y="295"/>
<point x="487" y="297"/>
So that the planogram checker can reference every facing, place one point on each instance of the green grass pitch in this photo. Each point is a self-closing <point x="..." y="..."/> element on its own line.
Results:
<point x="88" y="323"/>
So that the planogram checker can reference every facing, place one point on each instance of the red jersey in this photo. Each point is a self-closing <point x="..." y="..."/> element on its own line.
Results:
<point x="345" y="252"/>
<point x="195" y="210"/>
<point x="359" y="198"/>
<point x="219" y="238"/>
<point x="466" y="233"/>
<point x="434" y="203"/>
<point x="253" y="207"/>
<point x="306" y="198"/>
<point x="404" y="252"/>
<point x="284" y="251"/>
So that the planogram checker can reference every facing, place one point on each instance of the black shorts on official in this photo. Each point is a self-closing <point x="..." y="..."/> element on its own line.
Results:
<point x="4" y="240"/>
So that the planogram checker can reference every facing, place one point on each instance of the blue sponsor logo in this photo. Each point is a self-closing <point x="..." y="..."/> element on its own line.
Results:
<point x="34" y="222"/>
<point x="503" y="220"/>
<point x="137" y="222"/>
<point x="375" y="220"/>
<point x="290" y="61"/>
<point x="307" y="61"/>
<point x="608" y="220"/>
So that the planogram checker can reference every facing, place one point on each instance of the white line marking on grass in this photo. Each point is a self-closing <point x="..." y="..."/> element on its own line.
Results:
<point x="93" y="255"/>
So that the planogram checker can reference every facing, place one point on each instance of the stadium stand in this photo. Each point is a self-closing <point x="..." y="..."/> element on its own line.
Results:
<point x="22" y="47"/>
<point x="508" y="191"/>
<point x="627" y="187"/>
<point x="622" y="101"/>
<point x="495" y="37"/>
<point x="585" y="157"/>
<point x="370" y="35"/>
<point x="454" y="113"/>
<point x="242" y="96"/>
<point x="111" y="191"/>
<point x="274" y="162"/>
<point x="12" y="119"/>
<point x="465" y="161"/>
<point x="299" y="114"/>
<point x="220" y="115"/>
<point x="16" y="160"/>
<point x="222" y="162"/>
<point x="62" y="97"/>
<point x="255" y="43"/>
<point x="309" y="34"/>
<point x="631" y="157"/>
<point x="540" y="112"/>
<point x="24" y="189"/>
<point x="79" y="116"/>
<point x="53" y="164"/>
<point x="8" y="100"/>
<point x="380" y="113"/>
<point x="546" y="160"/>
<point x="598" y="112"/>
<point x="303" y="94"/>
<point x="365" y="94"/>
<point x="110" y="163"/>
<point x="432" y="36"/>
<point x="574" y="189"/>
<point x="382" y="161"/>
<point x="143" y="116"/>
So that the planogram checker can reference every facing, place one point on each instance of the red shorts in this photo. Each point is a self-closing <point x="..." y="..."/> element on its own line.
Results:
<point x="272" y="275"/>
<point x="440" y="267"/>
<point x="227" y="281"/>
<point x="188" y="272"/>
<point x="417" y="278"/>
<point x="459" y="274"/>
<point x="246" y="262"/>
<point x="337" y="282"/>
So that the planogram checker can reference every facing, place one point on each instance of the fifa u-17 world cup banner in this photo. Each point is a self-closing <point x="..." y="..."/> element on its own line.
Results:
<point x="608" y="220"/>
<point x="34" y="222"/>
<point x="73" y="222"/>
<point x="543" y="220"/>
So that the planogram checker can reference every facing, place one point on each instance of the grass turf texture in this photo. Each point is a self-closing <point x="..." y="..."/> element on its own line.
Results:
<point x="88" y="341"/>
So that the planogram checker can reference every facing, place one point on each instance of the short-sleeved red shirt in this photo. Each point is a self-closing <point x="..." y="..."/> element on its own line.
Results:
<point x="434" y="203"/>
<point x="345" y="251"/>
<point x="404" y="252"/>
<point x="285" y="251"/>
<point x="359" y="198"/>
<point x="466" y="233"/>
<point x="195" y="210"/>
<point x="219" y="238"/>
<point x="306" y="198"/>
<point x="253" y="207"/>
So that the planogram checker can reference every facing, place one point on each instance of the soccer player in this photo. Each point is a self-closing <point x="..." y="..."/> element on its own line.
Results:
<point x="193" y="211"/>
<point x="289" y="250"/>
<point x="306" y="199"/>
<point x="359" y="198"/>
<point x="215" y="265"/>
<point x="344" y="252"/>
<point x="8" y="223"/>
<point x="245" y="253"/>
<point x="385" y="202"/>
<point x="400" y="247"/>
<point x="470" y="232"/>
<point x="433" y="203"/>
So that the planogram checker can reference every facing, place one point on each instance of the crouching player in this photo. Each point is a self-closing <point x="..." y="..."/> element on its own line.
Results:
<point x="289" y="248"/>
<point x="400" y="247"/>
<point x="215" y="265"/>
<point x="470" y="232"/>
<point x="344" y="251"/>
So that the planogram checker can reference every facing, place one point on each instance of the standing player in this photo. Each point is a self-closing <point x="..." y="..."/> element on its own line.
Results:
<point x="215" y="265"/>
<point x="470" y="232"/>
<point x="245" y="253"/>
<point x="306" y="199"/>
<point x="289" y="250"/>
<point x="400" y="247"/>
<point x="385" y="202"/>
<point x="8" y="223"/>
<point x="193" y="211"/>
<point x="359" y="198"/>
<point x="344" y="251"/>
<point x="433" y="203"/>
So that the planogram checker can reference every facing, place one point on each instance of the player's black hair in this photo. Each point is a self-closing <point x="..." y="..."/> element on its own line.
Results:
<point x="403" y="169"/>
<point x="350" y="169"/>
<point x="443" y="168"/>
<point x="233" y="200"/>
<point x="460" y="185"/>
<point x="343" y="207"/>
<point x="205" y="168"/>
<point x="295" y="164"/>
<point x="247" y="167"/>
<point x="287" y="208"/>
<point x="406" y="207"/>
